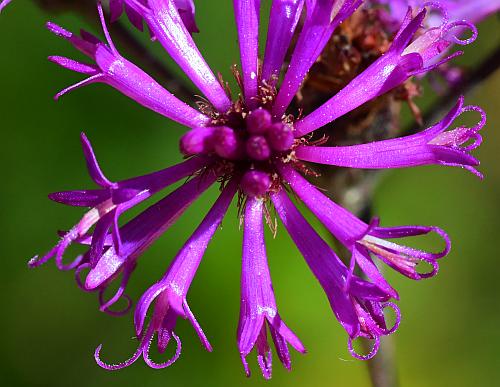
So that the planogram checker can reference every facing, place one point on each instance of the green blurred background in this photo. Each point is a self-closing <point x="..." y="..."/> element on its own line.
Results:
<point x="449" y="333"/>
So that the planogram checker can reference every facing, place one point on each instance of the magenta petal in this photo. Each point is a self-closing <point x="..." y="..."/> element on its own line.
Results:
<point x="73" y="65"/>
<point x="247" y="15"/>
<point x="283" y="18"/>
<point x="137" y="85"/>
<point x="81" y="198"/>
<point x="115" y="9"/>
<point x="187" y="12"/>
<point x="164" y="20"/>
<point x="99" y="236"/>
<point x="124" y="76"/>
<point x="134" y="17"/>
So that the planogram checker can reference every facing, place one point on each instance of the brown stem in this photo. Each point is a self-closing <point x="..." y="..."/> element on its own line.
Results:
<point x="383" y="367"/>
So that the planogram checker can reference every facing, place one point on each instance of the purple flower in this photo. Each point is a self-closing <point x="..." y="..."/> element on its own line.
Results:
<point x="253" y="148"/>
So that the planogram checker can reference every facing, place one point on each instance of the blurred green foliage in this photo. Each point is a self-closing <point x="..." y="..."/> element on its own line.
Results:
<point x="449" y="333"/>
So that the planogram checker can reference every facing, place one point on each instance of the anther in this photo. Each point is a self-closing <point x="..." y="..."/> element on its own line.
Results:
<point x="197" y="141"/>
<point x="255" y="183"/>
<point x="257" y="148"/>
<point x="258" y="121"/>
<point x="227" y="144"/>
<point x="280" y="137"/>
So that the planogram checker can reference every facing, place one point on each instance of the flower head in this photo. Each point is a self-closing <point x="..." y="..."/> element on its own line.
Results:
<point x="252" y="146"/>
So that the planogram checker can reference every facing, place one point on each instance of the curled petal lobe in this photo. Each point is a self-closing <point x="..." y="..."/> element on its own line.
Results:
<point x="472" y="11"/>
<point x="387" y="72"/>
<point x="169" y="294"/>
<point x="362" y="239"/>
<point x="402" y="258"/>
<point x="435" y="145"/>
<point x="403" y="60"/>
<point x="139" y="233"/>
<point x="183" y="268"/>
<point x="106" y="304"/>
<point x="107" y="204"/>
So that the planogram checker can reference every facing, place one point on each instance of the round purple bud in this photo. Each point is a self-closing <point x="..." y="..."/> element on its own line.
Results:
<point x="258" y="148"/>
<point x="280" y="137"/>
<point x="227" y="144"/>
<point x="255" y="183"/>
<point x="197" y="141"/>
<point x="258" y="121"/>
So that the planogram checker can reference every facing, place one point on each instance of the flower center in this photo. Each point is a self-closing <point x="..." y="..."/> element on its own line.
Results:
<point x="247" y="143"/>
